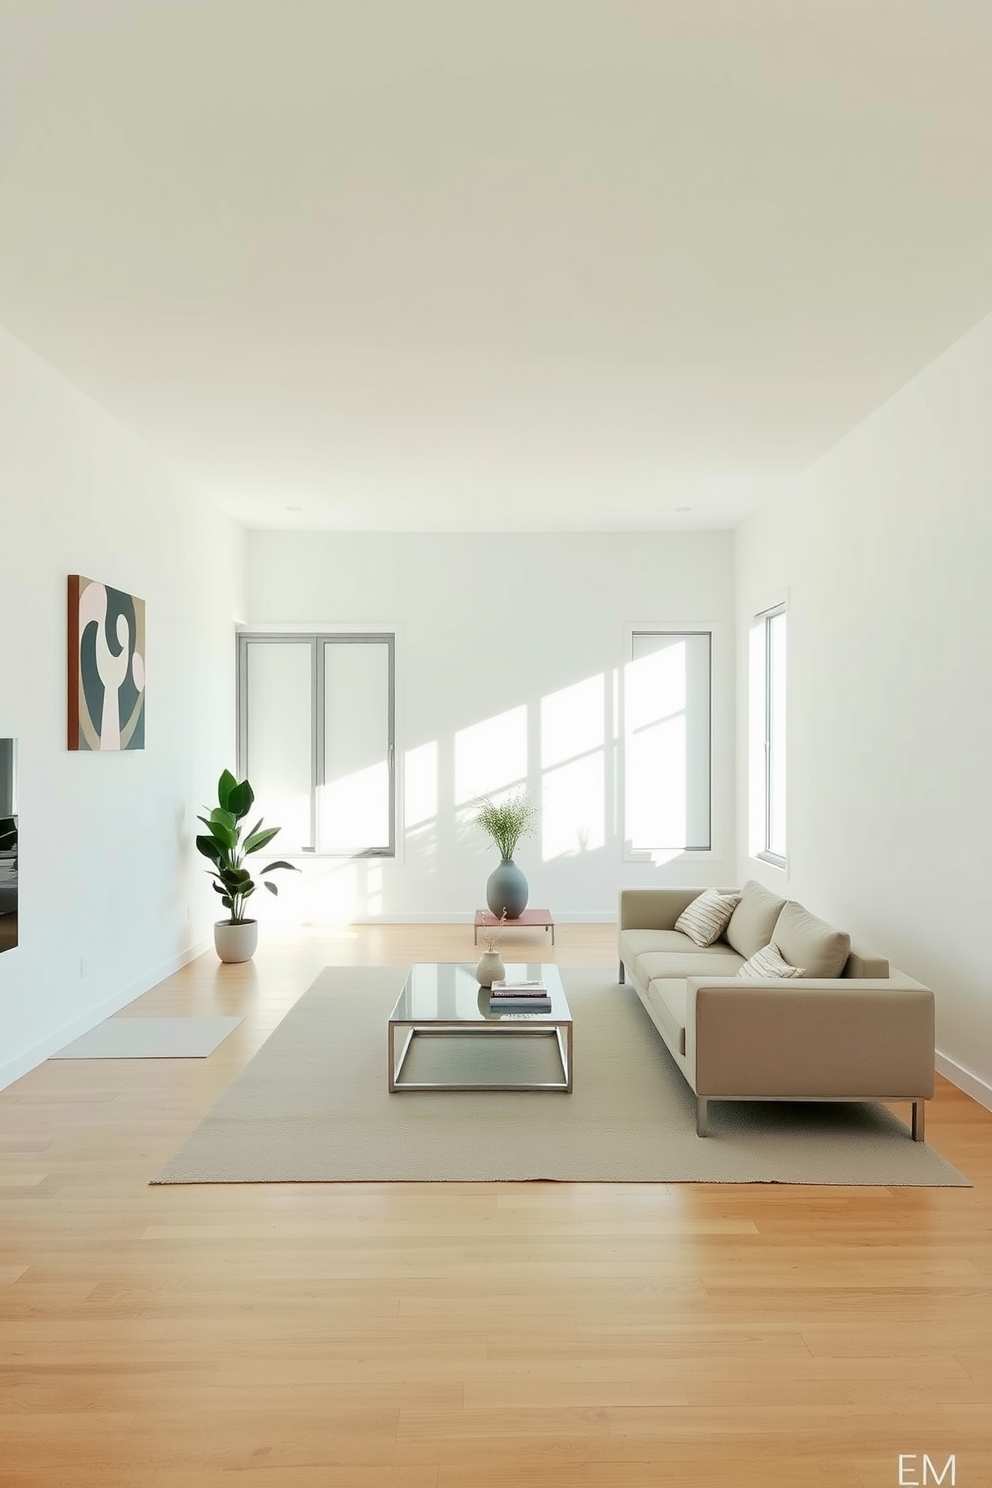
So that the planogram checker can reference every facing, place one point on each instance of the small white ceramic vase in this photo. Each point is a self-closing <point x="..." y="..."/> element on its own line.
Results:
<point x="489" y="969"/>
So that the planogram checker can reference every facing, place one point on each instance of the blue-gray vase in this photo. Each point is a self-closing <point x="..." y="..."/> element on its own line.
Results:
<point x="507" y="889"/>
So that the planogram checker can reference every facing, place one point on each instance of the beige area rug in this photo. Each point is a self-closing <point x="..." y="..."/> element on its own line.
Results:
<point x="312" y="1107"/>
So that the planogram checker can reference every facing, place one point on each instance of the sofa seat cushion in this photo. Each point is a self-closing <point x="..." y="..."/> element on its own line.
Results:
<point x="668" y="1002"/>
<point x="806" y="941"/>
<point x="718" y="961"/>
<point x="753" y="921"/>
<point x="634" y="943"/>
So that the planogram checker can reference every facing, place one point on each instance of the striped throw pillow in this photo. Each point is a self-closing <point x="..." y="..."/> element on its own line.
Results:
<point x="707" y="916"/>
<point x="768" y="962"/>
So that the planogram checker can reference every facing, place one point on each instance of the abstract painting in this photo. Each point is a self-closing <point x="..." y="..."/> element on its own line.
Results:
<point x="106" y="667"/>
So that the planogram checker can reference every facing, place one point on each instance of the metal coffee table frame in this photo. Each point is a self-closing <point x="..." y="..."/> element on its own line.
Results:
<point x="458" y="1009"/>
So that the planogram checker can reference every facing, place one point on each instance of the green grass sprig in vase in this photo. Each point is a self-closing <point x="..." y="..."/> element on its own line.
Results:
<point x="505" y="822"/>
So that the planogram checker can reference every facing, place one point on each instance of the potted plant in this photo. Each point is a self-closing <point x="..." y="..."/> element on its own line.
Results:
<point x="235" y="938"/>
<point x="506" y="822"/>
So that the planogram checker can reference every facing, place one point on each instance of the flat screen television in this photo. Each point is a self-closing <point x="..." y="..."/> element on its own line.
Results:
<point x="8" y="844"/>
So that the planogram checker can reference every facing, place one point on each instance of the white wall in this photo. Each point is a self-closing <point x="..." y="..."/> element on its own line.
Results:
<point x="489" y="623"/>
<point x="885" y="550"/>
<point x="107" y="871"/>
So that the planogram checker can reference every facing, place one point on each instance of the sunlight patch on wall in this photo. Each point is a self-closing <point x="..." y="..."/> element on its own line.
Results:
<point x="572" y="807"/>
<point x="573" y="783"/>
<point x="491" y="756"/>
<point x="572" y="721"/>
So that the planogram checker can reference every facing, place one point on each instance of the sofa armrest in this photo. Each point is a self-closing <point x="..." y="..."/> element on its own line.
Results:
<point x="862" y="964"/>
<point x="653" y="909"/>
<point x="810" y="1038"/>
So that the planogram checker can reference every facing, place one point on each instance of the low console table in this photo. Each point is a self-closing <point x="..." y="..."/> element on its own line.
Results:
<point x="540" y="917"/>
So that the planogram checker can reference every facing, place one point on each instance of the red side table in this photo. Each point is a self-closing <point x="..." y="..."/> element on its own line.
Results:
<point x="540" y="917"/>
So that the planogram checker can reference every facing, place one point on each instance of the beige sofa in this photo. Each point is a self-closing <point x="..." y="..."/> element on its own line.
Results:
<point x="863" y="1032"/>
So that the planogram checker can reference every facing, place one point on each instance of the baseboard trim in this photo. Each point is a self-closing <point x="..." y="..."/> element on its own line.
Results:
<point x="965" y="1079"/>
<point x="24" y="1063"/>
<point x="461" y="917"/>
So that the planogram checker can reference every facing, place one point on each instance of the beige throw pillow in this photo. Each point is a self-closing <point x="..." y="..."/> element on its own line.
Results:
<point x="768" y="963"/>
<point x="800" y="936"/>
<point x="753" y="921"/>
<point x="705" y="919"/>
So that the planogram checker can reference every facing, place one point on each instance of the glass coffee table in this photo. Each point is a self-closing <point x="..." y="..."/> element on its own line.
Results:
<point x="443" y="1001"/>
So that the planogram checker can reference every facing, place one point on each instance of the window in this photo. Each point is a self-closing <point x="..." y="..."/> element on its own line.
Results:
<point x="667" y="741"/>
<point x="316" y="721"/>
<point x="766" y="816"/>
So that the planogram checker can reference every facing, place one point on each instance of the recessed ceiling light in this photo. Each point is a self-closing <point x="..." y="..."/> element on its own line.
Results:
<point x="294" y="508"/>
<point x="683" y="508"/>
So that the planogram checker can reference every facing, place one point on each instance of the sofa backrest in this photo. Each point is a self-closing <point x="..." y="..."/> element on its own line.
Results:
<point x="762" y="918"/>
<point x="658" y="909"/>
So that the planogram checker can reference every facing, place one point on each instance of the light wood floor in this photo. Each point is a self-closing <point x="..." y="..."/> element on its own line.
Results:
<point x="464" y="1335"/>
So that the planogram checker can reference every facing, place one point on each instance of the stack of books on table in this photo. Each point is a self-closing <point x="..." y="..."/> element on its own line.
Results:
<point x="519" y="997"/>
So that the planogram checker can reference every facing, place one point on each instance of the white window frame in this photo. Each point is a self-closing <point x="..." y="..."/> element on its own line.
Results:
<point x="763" y="761"/>
<point x="665" y="853"/>
<point x="318" y="639"/>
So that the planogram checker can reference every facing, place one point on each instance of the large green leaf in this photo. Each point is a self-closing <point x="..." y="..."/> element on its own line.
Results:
<point x="226" y="836"/>
<point x="240" y="799"/>
<point x="220" y="815"/>
<point x="249" y="835"/>
<point x="211" y="848"/>
<point x="218" y="835"/>
<point x="225" y="785"/>
<point x="259" y="839"/>
<point x="281" y="864"/>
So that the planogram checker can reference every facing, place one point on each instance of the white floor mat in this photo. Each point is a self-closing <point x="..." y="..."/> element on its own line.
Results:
<point x="150" y="1038"/>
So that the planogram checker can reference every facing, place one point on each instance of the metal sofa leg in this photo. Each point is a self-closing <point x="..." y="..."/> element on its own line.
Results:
<point x="623" y="973"/>
<point x="919" y="1119"/>
<point x="702" y="1111"/>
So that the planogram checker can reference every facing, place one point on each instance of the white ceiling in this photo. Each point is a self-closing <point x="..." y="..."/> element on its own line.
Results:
<point x="455" y="264"/>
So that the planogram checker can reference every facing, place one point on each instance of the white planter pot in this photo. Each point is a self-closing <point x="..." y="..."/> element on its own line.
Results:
<point x="235" y="942"/>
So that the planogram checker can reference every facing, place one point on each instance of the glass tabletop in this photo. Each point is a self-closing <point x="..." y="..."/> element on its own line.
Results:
<point x="447" y="992"/>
